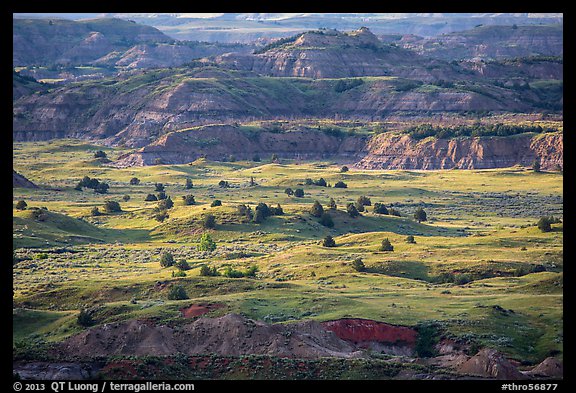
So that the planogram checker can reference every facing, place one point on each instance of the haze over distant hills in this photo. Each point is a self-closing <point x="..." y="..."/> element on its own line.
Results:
<point x="247" y="27"/>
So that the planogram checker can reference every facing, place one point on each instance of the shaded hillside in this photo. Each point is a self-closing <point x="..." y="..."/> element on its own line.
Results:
<point x="60" y="41"/>
<point x="74" y="50"/>
<point x="491" y="42"/>
<point x="218" y="142"/>
<point x="23" y="85"/>
<point x="161" y="55"/>
<point x="20" y="181"/>
<point x="137" y="109"/>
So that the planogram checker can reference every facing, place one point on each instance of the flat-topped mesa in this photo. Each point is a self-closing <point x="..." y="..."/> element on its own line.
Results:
<point x="331" y="37"/>
<point x="327" y="54"/>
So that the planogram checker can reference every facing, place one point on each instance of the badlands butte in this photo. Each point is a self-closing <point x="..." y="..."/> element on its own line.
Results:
<point x="270" y="149"/>
<point x="215" y="105"/>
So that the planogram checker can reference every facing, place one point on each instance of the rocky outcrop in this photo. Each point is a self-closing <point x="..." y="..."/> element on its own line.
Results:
<point x="548" y="368"/>
<point x="393" y="151"/>
<point x="20" y="181"/>
<point x="489" y="363"/>
<point x="218" y="142"/>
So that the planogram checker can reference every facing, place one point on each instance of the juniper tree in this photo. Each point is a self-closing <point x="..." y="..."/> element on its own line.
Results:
<point x="317" y="210"/>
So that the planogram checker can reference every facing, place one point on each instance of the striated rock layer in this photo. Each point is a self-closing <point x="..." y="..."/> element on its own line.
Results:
<point x="220" y="141"/>
<point x="388" y="151"/>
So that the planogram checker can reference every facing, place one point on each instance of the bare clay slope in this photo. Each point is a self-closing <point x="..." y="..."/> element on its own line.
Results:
<point x="217" y="142"/>
<point x="402" y="152"/>
<point x="231" y="334"/>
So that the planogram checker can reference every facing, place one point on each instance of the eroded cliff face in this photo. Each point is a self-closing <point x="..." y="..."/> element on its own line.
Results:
<point x="389" y="151"/>
<point x="384" y="151"/>
<point x="334" y="54"/>
<point x="218" y="142"/>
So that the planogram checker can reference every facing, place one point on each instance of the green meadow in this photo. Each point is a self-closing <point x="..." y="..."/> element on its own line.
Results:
<point x="480" y="269"/>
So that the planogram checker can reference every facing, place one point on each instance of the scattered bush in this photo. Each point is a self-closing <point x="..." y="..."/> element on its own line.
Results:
<point x="188" y="200"/>
<point x="340" y="184"/>
<point x="536" y="165"/>
<point x="245" y="213"/>
<point x="178" y="273"/>
<point x="379" y="208"/>
<point x="216" y="202"/>
<point x="364" y="201"/>
<point x="166" y="259"/>
<point x="394" y="212"/>
<point x="410" y="239"/>
<point x="150" y="198"/>
<point x="428" y="336"/>
<point x="159" y="187"/>
<point x="545" y="224"/>
<point x="329" y="242"/>
<point x="326" y="220"/>
<point x="21" y="205"/>
<point x="299" y="193"/>
<point x="461" y="279"/>
<point x="352" y="211"/>
<point x="206" y="243"/>
<point x="422" y="131"/>
<point x="208" y="271"/>
<point x="344" y="169"/>
<point x="289" y="191"/>
<point x="134" y="181"/>
<point x="420" y="215"/>
<point x="112" y="207"/>
<point x="276" y="211"/>
<point x="359" y="206"/>
<point x="102" y="188"/>
<point x="347" y="84"/>
<point x="85" y="319"/>
<point x="39" y="214"/>
<point x="358" y="265"/>
<point x="189" y="184"/>
<point x="209" y="221"/>
<point x="223" y="184"/>
<point x="182" y="264"/>
<point x="332" y="204"/>
<point x="177" y="292"/>
<point x="386" y="245"/>
<point x="95" y="212"/>
<point x="320" y="182"/>
<point x="317" y="210"/>
<point x="274" y="158"/>
<point x="126" y="198"/>
<point x="162" y="195"/>
<point x="100" y="154"/>
<point x="165" y="204"/>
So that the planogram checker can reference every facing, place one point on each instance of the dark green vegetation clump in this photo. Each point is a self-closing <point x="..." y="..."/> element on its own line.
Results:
<point x="177" y="292"/>
<point x="499" y="129"/>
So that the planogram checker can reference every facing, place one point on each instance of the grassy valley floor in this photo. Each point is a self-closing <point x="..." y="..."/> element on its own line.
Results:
<point x="479" y="271"/>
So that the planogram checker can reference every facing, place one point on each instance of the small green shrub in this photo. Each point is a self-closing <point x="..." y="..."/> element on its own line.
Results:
<point x="167" y="259"/>
<point x="177" y="292"/>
